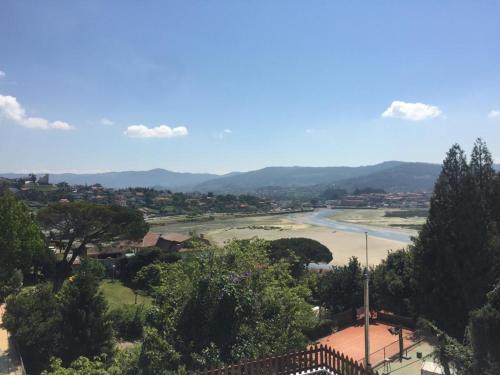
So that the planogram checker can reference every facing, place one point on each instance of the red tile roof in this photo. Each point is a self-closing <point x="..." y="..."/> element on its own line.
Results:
<point x="150" y="239"/>
<point x="175" y="237"/>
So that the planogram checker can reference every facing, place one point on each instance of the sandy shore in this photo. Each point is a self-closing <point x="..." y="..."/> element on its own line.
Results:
<point x="342" y="244"/>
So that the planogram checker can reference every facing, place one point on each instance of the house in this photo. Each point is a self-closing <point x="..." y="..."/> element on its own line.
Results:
<point x="169" y="242"/>
<point x="108" y="257"/>
<point x="106" y="253"/>
<point x="44" y="180"/>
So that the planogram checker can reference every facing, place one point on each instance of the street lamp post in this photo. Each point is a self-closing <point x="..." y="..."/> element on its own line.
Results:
<point x="367" y="308"/>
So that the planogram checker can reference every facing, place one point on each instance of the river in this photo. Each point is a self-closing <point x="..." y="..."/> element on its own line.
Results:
<point x="322" y="217"/>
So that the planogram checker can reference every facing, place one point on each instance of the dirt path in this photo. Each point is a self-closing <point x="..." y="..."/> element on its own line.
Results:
<point x="7" y="365"/>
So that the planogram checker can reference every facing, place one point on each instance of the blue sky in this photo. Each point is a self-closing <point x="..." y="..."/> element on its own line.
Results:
<point x="239" y="85"/>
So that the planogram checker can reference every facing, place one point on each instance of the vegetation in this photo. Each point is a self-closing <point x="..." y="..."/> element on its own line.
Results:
<point x="85" y="329"/>
<point x="67" y="325"/>
<point x="392" y="283"/>
<point x="117" y="294"/>
<point x="407" y="213"/>
<point x="299" y="252"/>
<point x="454" y="257"/>
<point x="123" y="362"/>
<point x="130" y="266"/>
<point x="33" y="319"/>
<point x="223" y="306"/>
<point x="128" y="321"/>
<point x="23" y="254"/>
<point x="78" y="224"/>
<point x="249" y="298"/>
<point x="342" y="288"/>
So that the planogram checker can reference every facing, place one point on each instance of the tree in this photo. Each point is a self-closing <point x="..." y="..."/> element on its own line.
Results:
<point x="452" y="256"/>
<point x="123" y="362"/>
<point x="77" y="224"/>
<point x="333" y="193"/>
<point x="128" y="322"/>
<point x="224" y="306"/>
<point x="305" y="251"/>
<point x="392" y="283"/>
<point x="33" y="319"/>
<point x="342" y="288"/>
<point x="130" y="266"/>
<point x="484" y="328"/>
<point x="85" y="327"/>
<point x="454" y="357"/>
<point x="21" y="242"/>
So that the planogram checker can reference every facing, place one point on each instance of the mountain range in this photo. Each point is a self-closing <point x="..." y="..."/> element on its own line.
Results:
<point x="389" y="175"/>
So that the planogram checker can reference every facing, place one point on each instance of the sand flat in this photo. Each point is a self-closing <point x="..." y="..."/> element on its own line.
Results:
<point x="342" y="244"/>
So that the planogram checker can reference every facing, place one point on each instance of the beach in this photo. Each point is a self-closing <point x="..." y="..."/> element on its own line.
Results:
<point x="344" y="244"/>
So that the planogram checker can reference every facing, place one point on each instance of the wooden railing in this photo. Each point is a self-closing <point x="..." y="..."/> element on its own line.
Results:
<point x="317" y="358"/>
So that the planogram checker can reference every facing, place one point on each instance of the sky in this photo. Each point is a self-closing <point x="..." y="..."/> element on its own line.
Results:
<point x="219" y="86"/>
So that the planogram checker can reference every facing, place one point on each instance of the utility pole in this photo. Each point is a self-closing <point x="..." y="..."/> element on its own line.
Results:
<point x="367" y="308"/>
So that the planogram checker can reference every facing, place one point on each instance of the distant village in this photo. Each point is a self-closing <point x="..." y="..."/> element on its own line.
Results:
<point x="381" y="200"/>
<point x="37" y="192"/>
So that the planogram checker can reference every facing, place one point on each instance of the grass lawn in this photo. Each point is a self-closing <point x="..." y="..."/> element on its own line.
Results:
<point x="118" y="294"/>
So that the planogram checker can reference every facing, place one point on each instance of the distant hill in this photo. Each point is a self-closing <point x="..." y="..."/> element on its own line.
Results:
<point x="151" y="178"/>
<point x="390" y="176"/>
<point x="409" y="177"/>
<point x="288" y="177"/>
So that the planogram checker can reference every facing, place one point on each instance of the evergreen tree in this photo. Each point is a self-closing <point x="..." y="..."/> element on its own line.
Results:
<point x="32" y="317"/>
<point x="85" y="329"/>
<point x="485" y="335"/>
<point x="452" y="256"/>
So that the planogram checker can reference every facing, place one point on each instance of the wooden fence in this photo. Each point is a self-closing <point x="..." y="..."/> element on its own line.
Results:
<point x="317" y="358"/>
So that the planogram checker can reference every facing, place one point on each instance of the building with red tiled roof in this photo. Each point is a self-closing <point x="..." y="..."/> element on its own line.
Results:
<point x="168" y="242"/>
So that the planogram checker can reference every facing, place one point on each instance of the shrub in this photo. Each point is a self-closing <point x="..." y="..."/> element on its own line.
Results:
<point x="127" y="322"/>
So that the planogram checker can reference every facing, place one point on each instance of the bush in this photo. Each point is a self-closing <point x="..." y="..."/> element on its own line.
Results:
<point x="130" y="266"/>
<point x="127" y="322"/>
<point x="323" y="328"/>
<point x="32" y="317"/>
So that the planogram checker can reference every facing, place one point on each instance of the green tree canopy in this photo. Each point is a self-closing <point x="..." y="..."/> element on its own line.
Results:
<point x="223" y="306"/>
<point x="76" y="224"/>
<point x="22" y="245"/>
<point x="452" y="255"/>
<point x="85" y="327"/>
<point x="299" y="251"/>
<point x="33" y="319"/>
<point x="342" y="288"/>
<point x="392" y="283"/>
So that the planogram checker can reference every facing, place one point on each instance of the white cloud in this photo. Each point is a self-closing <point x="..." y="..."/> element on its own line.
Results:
<point x="494" y="114"/>
<point x="61" y="125"/>
<point x="105" y="121"/>
<point x="411" y="111"/>
<point x="13" y="111"/>
<point x="2" y="74"/>
<point x="162" y="131"/>
<point x="223" y="134"/>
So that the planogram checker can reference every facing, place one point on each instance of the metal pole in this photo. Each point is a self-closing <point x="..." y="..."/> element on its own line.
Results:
<point x="367" y="309"/>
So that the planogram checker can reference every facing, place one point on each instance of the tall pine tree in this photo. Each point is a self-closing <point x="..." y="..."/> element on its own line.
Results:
<point x="453" y="262"/>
